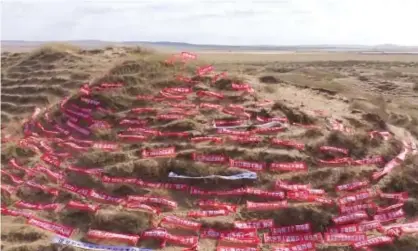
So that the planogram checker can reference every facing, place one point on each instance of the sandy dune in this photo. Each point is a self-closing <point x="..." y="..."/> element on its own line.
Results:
<point x="363" y="92"/>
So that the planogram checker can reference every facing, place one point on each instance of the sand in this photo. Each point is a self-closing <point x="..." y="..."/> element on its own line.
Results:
<point x="365" y="92"/>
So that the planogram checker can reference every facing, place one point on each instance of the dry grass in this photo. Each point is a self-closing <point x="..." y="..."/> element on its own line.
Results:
<point x="268" y="79"/>
<point x="121" y="222"/>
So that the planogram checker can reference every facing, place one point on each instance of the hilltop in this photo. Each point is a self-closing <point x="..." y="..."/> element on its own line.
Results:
<point x="94" y="118"/>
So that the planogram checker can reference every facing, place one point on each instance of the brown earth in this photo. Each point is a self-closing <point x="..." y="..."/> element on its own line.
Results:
<point x="365" y="95"/>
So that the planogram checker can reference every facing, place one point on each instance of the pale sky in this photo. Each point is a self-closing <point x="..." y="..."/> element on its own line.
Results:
<point x="238" y="22"/>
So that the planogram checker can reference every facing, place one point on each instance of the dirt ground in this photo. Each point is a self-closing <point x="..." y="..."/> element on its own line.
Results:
<point x="364" y="92"/>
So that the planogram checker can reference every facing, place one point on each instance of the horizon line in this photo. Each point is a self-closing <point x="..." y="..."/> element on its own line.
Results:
<point x="225" y="45"/>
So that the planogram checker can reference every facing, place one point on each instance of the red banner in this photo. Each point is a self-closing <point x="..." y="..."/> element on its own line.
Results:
<point x="293" y="238"/>
<point x="344" y="238"/>
<point x="172" y="221"/>
<point x="78" y="128"/>
<point x="390" y="208"/>
<point x="357" y="197"/>
<point x="106" y="146"/>
<point x="245" y="139"/>
<point x="345" y="229"/>
<point x="261" y="206"/>
<point x="15" y="213"/>
<point x="304" y="246"/>
<point x="241" y="87"/>
<point x="373" y="241"/>
<point x="207" y="138"/>
<point x="292" y="229"/>
<point x="210" y="106"/>
<point x="207" y="213"/>
<point x="214" y="204"/>
<point x="344" y="209"/>
<point x="52" y="160"/>
<point x="116" y="238"/>
<point x="159" y="152"/>
<point x="254" y="224"/>
<point x="153" y="200"/>
<point x="50" y="226"/>
<point x="209" y="94"/>
<point x="16" y="180"/>
<point x="187" y="241"/>
<point x="203" y="70"/>
<point x="236" y="233"/>
<point x="288" y="166"/>
<point x="234" y="133"/>
<point x="352" y="186"/>
<point x="249" y="165"/>
<point x="350" y="218"/>
<point x="142" y="207"/>
<point x="233" y="248"/>
<point x="333" y="149"/>
<point x="132" y="137"/>
<point x="288" y="143"/>
<point x="210" y="158"/>
<point x="390" y="216"/>
<point x="280" y="184"/>
<point x="239" y="241"/>
<point x="219" y="123"/>
<point x="75" y="205"/>
<point x="105" y="198"/>
<point x="269" y="130"/>
<point x="394" y="196"/>
<point x="169" y="116"/>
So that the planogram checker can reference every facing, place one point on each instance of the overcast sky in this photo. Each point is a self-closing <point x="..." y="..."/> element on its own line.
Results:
<point x="240" y="22"/>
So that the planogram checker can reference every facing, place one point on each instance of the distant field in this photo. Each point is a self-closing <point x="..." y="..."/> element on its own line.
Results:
<point x="272" y="56"/>
<point x="230" y="54"/>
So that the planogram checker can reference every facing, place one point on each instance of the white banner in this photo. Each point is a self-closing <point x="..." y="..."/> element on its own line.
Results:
<point x="246" y="175"/>
<point x="270" y="124"/>
<point x="65" y="241"/>
<point x="231" y="127"/>
<point x="265" y="125"/>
